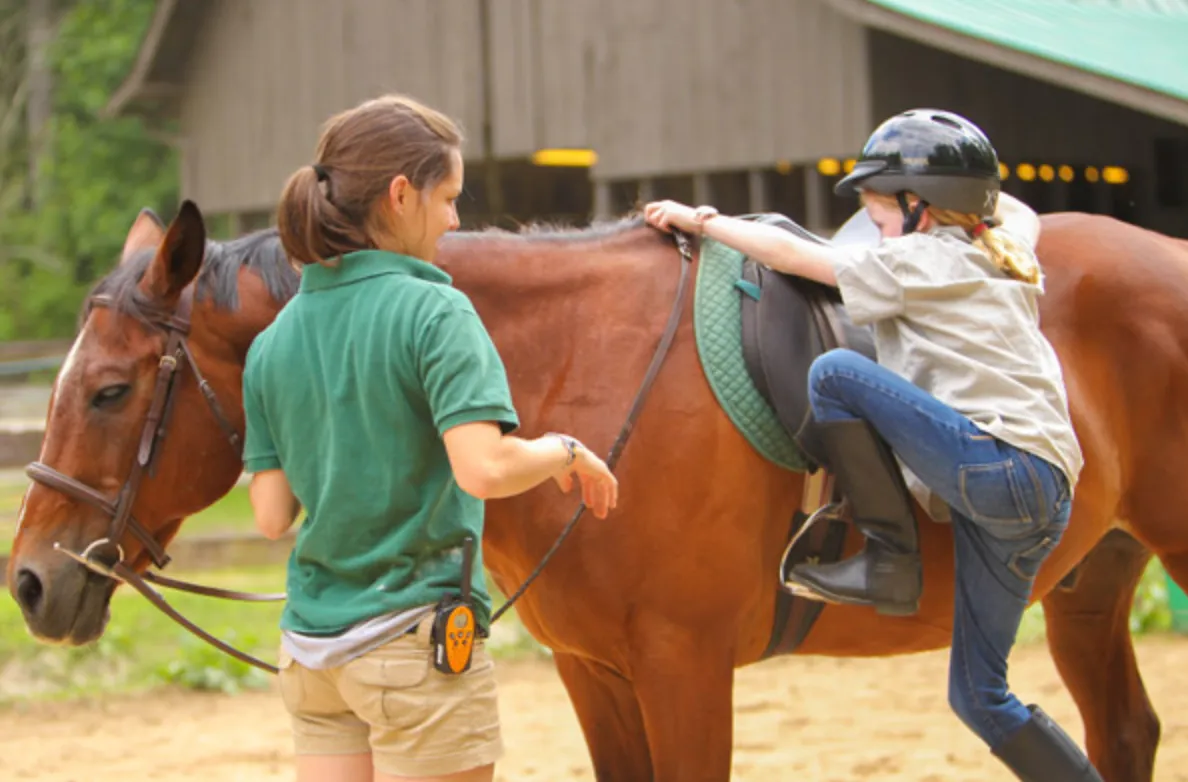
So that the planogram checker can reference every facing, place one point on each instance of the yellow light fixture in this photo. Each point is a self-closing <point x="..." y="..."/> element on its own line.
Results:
<point x="1115" y="175"/>
<point x="574" y="158"/>
<point x="1092" y="174"/>
<point x="849" y="165"/>
<point x="829" y="166"/>
<point x="1066" y="173"/>
<point x="1025" y="171"/>
<point x="784" y="167"/>
<point x="1004" y="171"/>
<point x="1047" y="173"/>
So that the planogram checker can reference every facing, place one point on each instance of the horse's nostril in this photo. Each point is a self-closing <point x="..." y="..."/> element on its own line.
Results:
<point x="28" y="589"/>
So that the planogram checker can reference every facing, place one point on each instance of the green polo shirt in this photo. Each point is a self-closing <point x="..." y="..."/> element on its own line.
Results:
<point x="349" y="391"/>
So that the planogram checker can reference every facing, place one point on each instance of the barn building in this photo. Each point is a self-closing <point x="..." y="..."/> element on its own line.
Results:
<point x="581" y="108"/>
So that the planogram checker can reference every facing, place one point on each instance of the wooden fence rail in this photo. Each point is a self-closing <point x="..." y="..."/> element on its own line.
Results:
<point x="34" y="349"/>
<point x="21" y="359"/>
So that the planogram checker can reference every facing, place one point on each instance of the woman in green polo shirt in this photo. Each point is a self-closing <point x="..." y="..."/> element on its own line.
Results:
<point x="376" y="401"/>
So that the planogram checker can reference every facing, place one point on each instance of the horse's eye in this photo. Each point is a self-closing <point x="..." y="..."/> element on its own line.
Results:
<point x="109" y="395"/>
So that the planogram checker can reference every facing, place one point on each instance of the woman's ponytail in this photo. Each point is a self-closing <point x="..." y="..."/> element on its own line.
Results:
<point x="312" y="229"/>
<point x="331" y="207"/>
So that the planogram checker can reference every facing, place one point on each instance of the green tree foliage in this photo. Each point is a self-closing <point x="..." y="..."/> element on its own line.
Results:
<point x="96" y="174"/>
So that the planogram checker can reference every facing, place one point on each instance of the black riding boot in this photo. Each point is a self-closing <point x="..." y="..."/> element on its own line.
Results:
<point x="887" y="574"/>
<point x="1041" y="752"/>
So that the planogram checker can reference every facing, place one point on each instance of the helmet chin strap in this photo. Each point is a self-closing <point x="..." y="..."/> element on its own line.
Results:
<point x="911" y="217"/>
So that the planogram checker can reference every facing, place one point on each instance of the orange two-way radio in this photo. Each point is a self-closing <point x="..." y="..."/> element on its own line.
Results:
<point x="454" y="630"/>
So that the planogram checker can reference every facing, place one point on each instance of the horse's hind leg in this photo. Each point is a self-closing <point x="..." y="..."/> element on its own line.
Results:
<point x="610" y="718"/>
<point x="1089" y="638"/>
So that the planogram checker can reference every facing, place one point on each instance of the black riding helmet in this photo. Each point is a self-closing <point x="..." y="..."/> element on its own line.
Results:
<point x="940" y="156"/>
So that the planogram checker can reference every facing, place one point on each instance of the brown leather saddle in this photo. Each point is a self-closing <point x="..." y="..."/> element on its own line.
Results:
<point x="787" y="322"/>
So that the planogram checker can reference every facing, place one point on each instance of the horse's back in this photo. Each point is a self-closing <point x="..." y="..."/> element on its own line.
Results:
<point x="1103" y="257"/>
<point x="1116" y="310"/>
<point x="1115" y="306"/>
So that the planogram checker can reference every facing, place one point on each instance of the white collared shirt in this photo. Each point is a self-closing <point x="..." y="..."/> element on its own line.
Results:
<point x="951" y="323"/>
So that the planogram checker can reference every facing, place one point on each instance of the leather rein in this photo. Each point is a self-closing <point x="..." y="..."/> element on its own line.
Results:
<point x="176" y="354"/>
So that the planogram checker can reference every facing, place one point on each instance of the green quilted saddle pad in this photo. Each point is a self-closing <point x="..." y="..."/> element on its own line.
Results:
<point x="717" y="321"/>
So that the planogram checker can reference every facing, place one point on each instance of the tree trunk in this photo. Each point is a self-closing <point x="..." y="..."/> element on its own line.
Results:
<point x="39" y="109"/>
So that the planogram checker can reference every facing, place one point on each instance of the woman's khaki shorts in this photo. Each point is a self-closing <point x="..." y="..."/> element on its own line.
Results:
<point x="392" y="702"/>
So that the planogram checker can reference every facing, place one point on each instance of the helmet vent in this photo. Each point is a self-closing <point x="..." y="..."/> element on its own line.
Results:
<point x="947" y="121"/>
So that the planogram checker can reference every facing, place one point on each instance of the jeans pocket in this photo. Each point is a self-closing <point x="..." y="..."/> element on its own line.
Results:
<point x="994" y="496"/>
<point x="1026" y="563"/>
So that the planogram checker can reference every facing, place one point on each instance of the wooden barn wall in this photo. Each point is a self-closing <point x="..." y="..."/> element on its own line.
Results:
<point x="701" y="85"/>
<point x="654" y="86"/>
<point x="264" y="77"/>
<point x="541" y="74"/>
<point x="658" y="88"/>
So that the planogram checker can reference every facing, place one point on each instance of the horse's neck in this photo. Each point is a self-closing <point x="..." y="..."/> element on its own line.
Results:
<point x="256" y="311"/>
<point x="574" y="321"/>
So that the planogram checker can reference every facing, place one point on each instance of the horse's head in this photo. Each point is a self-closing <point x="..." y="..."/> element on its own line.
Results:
<point x="132" y="444"/>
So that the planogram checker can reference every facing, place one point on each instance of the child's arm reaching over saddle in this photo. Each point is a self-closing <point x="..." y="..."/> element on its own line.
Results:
<point x="767" y="244"/>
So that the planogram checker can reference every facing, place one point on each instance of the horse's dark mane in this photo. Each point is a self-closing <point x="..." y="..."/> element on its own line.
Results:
<point x="543" y="231"/>
<point x="260" y="252"/>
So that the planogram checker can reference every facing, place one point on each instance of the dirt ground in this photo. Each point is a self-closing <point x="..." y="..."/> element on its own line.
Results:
<point x="808" y="719"/>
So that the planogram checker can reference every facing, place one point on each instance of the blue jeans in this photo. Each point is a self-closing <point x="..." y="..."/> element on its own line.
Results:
<point x="1009" y="509"/>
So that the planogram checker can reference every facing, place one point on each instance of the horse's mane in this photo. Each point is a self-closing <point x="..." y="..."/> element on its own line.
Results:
<point x="260" y="252"/>
<point x="544" y="231"/>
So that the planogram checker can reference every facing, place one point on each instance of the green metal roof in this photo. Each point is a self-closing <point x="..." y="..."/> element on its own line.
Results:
<point x="1141" y="42"/>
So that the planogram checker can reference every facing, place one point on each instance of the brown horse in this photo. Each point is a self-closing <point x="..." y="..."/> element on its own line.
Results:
<point x="649" y="611"/>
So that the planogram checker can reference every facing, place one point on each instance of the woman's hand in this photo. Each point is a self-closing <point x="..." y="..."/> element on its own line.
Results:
<point x="600" y="488"/>
<point x="667" y="215"/>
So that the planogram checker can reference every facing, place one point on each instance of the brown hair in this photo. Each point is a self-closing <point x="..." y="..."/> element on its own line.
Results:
<point x="1004" y="252"/>
<point x="360" y="152"/>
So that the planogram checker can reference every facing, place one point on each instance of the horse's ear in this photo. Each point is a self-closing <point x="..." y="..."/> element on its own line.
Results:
<point x="146" y="233"/>
<point x="179" y="257"/>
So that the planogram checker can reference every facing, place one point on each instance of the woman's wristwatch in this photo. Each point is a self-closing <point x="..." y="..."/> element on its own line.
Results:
<point x="571" y="446"/>
<point x="701" y="214"/>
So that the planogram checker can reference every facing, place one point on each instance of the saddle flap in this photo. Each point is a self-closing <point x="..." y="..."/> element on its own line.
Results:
<point x="788" y="341"/>
<point x="793" y="321"/>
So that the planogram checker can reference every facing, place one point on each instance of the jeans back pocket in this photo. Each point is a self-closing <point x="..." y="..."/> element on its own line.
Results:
<point x="996" y="496"/>
<point x="1026" y="563"/>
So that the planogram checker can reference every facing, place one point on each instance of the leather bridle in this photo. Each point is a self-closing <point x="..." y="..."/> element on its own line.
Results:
<point x="105" y="556"/>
